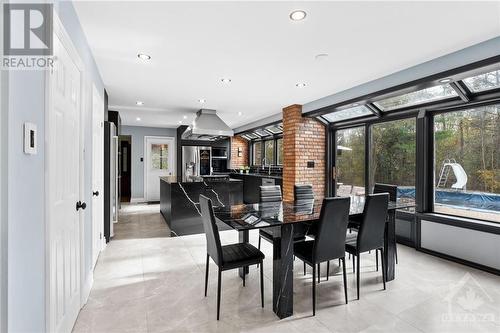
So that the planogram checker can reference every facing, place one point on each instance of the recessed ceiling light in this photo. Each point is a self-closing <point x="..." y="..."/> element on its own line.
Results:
<point x="143" y="56"/>
<point x="321" y="56"/>
<point x="297" y="15"/>
<point x="185" y="117"/>
<point x="202" y="101"/>
<point x="180" y="121"/>
<point x="240" y="113"/>
<point x="300" y="85"/>
<point x="226" y="80"/>
<point x="445" y="80"/>
<point x="355" y="104"/>
<point x="139" y="103"/>
<point x="138" y="119"/>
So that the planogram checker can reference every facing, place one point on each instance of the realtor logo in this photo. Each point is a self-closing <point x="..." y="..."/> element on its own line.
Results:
<point x="28" y="29"/>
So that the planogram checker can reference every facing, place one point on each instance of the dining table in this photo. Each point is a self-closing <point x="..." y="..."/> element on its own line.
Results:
<point x="286" y="215"/>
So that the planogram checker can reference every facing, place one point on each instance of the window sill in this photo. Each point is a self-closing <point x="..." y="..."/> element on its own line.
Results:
<point x="461" y="222"/>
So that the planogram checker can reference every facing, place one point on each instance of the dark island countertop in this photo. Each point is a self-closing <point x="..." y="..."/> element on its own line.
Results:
<point x="210" y="179"/>
<point x="260" y="175"/>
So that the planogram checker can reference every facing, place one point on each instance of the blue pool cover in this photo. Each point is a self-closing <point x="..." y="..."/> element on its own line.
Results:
<point x="473" y="200"/>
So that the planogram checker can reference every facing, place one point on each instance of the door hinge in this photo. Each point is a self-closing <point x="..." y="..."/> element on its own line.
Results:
<point x="100" y="235"/>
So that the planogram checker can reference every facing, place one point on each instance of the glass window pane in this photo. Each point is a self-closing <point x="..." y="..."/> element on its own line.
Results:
<point x="252" y="136"/>
<point x="350" y="161"/>
<point x="262" y="133"/>
<point x="393" y="156"/>
<point x="159" y="156"/>
<point x="486" y="81"/>
<point x="467" y="163"/>
<point x="354" y="112"/>
<point x="274" y="130"/>
<point x="269" y="151"/>
<point x="417" y="97"/>
<point x="257" y="153"/>
<point x="279" y="147"/>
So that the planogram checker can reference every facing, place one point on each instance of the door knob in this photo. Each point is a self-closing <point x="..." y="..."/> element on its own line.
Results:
<point x="81" y="205"/>
<point x="95" y="194"/>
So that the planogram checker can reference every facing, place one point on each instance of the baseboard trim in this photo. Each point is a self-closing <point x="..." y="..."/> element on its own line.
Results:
<point x="137" y="200"/>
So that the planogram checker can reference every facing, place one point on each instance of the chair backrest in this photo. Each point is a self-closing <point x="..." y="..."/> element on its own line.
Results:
<point x="303" y="193"/>
<point x="386" y="188"/>
<point x="214" y="248"/>
<point x="371" y="230"/>
<point x="271" y="193"/>
<point x="329" y="242"/>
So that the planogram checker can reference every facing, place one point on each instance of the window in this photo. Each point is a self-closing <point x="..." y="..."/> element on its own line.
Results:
<point x="393" y="155"/>
<point x="257" y="153"/>
<point x="159" y="156"/>
<point x="354" y="112"/>
<point x="262" y="133"/>
<point x="431" y="94"/>
<point x="350" y="162"/>
<point x="269" y="151"/>
<point x="467" y="163"/>
<point x="279" y="153"/>
<point x="486" y="81"/>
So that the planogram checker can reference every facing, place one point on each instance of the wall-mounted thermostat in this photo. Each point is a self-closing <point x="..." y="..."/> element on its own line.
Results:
<point x="30" y="140"/>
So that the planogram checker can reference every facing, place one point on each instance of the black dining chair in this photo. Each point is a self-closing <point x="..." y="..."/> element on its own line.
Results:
<point x="269" y="195"/>
<point x="370" y="235"/>
<point x="329" y="242"/>
<point x="392" y="190"/>
<point x="227" y="257"/>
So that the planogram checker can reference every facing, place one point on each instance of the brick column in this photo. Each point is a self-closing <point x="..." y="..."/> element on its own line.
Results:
<point x="239" y="161"/>
<point x="303" y="142"/>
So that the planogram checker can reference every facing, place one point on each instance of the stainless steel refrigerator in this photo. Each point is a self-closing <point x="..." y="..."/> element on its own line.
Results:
<point x="196" y="162"/>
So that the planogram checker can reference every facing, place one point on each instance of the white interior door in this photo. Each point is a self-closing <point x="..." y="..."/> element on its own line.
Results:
<point x="97" y="174"/>
<point x="159" y="152"/>
<point x="63" y="183"/>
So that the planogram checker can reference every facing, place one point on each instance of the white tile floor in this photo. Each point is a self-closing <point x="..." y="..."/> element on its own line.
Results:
<point x="146" y="281"/>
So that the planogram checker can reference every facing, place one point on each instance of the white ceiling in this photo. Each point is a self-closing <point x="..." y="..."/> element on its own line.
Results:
<point x="195" y="44"/>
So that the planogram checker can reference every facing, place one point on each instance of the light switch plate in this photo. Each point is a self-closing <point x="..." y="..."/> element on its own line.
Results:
<point x="30" y="139"/>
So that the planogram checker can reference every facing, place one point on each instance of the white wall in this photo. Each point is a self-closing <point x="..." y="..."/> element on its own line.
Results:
<point x="26" y="223"/>
<point x="471" y="245"/>
<point x="138" y="133"/>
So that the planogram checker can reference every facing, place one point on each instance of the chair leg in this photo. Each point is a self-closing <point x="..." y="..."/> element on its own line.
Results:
<point x="357" y="273"/>
<point x="327" y="269"/>
<point x="206" y="275"/>
<point x="244" y="280"/>
<point x="339" y="262"/>
<point x="258" y="246"/>
<point x="218" y="293"/>
<point x="345" y="278"/>
<point x="304" y="268"/>
<point x="383" y="265"/>
<point x="262" y="284"/>
<point x="353" y="264"/>
<point x="396" y="253"/>
<point x="314" y="289"/>
<point x="319" y="272"/>
<point x="376" y="259"/>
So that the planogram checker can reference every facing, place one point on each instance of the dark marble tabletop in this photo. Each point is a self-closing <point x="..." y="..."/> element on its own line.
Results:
<point x="269" y="214"/>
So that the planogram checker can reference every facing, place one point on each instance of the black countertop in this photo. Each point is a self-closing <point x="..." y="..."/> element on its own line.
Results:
<point x="173" y="180"/>
<point x="261" y="175"/>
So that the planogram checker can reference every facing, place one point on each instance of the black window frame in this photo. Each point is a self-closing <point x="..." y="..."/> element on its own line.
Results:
<point x="273" y="138"/>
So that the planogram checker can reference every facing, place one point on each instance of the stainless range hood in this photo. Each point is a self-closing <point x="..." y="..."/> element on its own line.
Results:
<point x="207" y="126"/>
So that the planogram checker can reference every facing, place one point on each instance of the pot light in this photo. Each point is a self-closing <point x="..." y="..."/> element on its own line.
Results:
<point x="184" y="117"/>
<point x="180" y="121"/>
<point x="202" y="101"/>
<point x="240" y="113"/>
<point x="139" y="103"/>
<point x="321" y="57"/>
<point x="297" y="15"/>
<point x="143" y="56"/>
<point x="445" y="80"/>
<point x="226" y="80"/>
<point x="138" y="119"/>
<point x="300" y="85"/>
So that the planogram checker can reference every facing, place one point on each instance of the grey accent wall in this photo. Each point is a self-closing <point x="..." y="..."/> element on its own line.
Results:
<point x="472" y="245"/>
<point x="26" y="299"/>
<point x="138" y="133"/>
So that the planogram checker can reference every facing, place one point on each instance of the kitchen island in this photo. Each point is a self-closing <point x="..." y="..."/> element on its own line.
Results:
<point x="179" y="201"/>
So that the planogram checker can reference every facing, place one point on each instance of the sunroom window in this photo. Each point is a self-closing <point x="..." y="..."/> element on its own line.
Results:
<point x="353" y="112"/>
<point x="482" y="82"/>
<point x="427" y="95"/>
